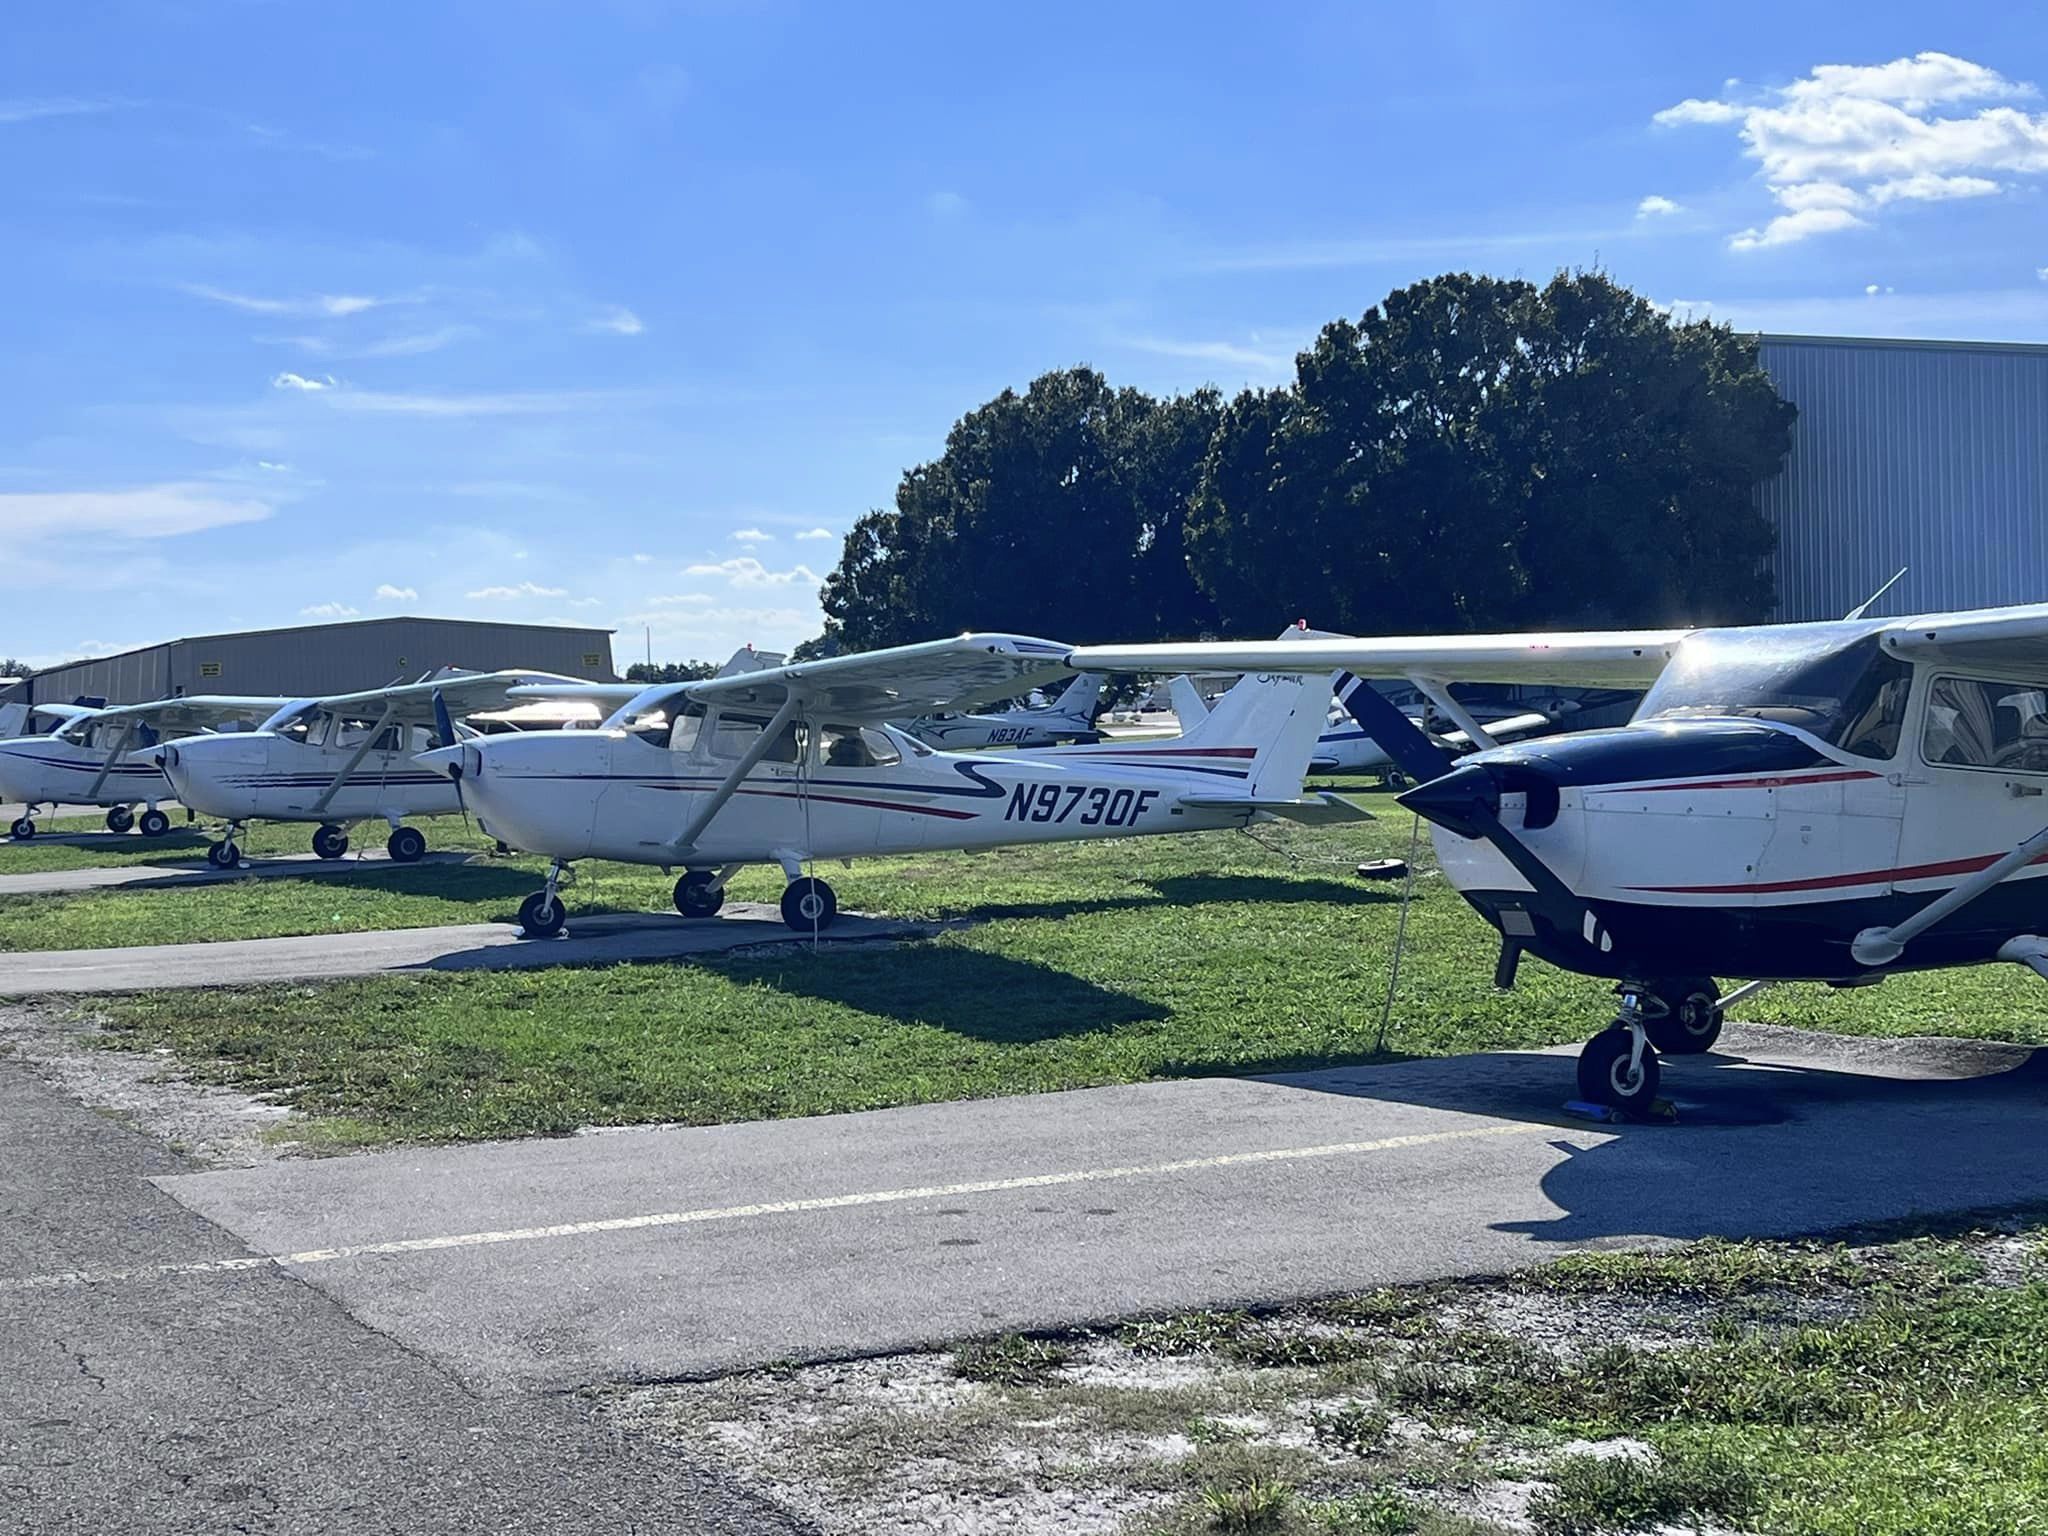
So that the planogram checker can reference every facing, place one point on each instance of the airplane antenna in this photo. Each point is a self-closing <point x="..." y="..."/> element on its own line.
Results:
<point x="1864" y="607"/>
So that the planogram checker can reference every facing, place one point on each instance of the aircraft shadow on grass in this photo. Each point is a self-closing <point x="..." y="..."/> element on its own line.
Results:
<point x="1187" y="891"/>
<point x="1759" y="1148"/>
<point x="969" y="992"/>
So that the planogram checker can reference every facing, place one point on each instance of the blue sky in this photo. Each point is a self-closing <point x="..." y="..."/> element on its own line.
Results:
<point x="619" y="313"/>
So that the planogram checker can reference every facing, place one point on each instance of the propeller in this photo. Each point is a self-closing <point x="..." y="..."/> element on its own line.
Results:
<point x="448" y="752"/>
<point x="1466" y="801"/>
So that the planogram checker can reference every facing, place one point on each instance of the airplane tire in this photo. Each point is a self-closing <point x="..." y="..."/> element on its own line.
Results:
<point x="541" y="917"/>
<point x="407" y="845"/>
<point x="330" y="841"/>
<point x="24" y="829"/>
<point x="808" y="905"/>
<point x="695" y="895"/>
<point x="155" y="823"/>
<point x="223" y="855"/>
<point x="1604" y="1076"/>
<point x="120" y="819"/>
<point x="1693" y="1024"/>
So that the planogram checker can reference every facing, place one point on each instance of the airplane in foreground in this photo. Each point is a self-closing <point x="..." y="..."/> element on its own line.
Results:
<point x="1347" y="747"/>
<point x="85" y="761"/>
<point x="1833" y="802"/>
<point x="1070" y="717"/>
<point x="790" y="764"/>
<point x="331" y="761"/>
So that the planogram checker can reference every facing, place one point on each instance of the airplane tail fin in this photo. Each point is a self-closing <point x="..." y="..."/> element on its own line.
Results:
<point x="1272" y="718"/>
<point x="1078" y="700"/>
<point x="1189" y="707"/>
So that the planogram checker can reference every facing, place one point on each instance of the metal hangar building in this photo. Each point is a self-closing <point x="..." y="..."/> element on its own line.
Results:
<point x="1931" y="455"/>
<point x="318" y="659"/>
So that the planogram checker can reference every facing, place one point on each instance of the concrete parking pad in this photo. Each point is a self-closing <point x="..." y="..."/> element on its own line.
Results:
<point x="662" y="1253"/>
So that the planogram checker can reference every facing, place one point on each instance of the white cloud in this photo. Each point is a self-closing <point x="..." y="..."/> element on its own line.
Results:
<point x="618" y="320"/>
<point x="27" y="109"/>
<point x="524" y="589"/>
<point x="680" y="599"/>
<point x="144" y="512"/>
<point x="640" y="559"/>
<point x="746" y="571"/>
<point x="301" y="382"/>
<point x="533" y="403"/>
<point x="1251" y="359"/>
<point x="328" y="611"/>
<point x="945" y="206"/>
<point x="752" y="536"/>
<point x="387" y="593"/>
<point x="817" y="533"/>
<point x="1850" y="139"/>
<point x="332" y="306"/>
<point x="1655" y="206"/>
<point x="2041" y="273"/>
<point x="1874" y="289"/>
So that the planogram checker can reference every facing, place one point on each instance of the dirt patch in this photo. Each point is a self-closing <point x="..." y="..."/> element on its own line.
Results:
<point x="214" y="1126"/>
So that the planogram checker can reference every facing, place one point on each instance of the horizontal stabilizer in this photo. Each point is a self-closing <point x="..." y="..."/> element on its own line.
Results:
<point x="1322" y="809"/>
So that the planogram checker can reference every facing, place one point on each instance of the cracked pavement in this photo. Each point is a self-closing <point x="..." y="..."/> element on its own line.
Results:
<point x="250" y="1402"/>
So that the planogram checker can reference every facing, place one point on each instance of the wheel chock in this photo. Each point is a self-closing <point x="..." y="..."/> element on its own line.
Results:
<point x="1662" y="1112"/>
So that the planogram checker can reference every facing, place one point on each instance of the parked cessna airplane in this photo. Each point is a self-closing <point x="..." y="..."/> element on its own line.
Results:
<point x="796" y="763"/>
<point x="1070" y="717"/>
<point x="333" y="761"/>
<point x="1826" y="802"/>
<point x="85" y="761"/>
<point x="1347" y="747"/>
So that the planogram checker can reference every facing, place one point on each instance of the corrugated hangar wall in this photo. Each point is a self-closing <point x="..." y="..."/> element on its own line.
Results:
<point x="324" y="658"/>
<point x="1928" y="455"/>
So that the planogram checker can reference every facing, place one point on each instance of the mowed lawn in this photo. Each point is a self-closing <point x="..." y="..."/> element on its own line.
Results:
<point x="1082" y="965"/>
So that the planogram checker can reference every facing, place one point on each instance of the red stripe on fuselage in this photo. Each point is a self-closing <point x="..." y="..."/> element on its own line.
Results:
<point x="1968" y="866"/>
<point x="1775" y="781"/>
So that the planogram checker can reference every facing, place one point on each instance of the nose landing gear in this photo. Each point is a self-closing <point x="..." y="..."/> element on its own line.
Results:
<point x="1675" y="1017"/>
<point x="541" y="915"/>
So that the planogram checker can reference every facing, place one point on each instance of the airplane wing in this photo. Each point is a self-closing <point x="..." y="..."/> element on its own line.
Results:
<point x="195" y="712"/>
<point x="2004" y="641"/>
<point x="61" y="711"/>
<point x="464" y="693"/>
<point x="1613" y="658"/>
<point x="900" y="683"/>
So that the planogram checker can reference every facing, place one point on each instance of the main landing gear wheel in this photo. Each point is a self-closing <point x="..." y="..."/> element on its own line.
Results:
<point x="23" y="830"/>
<point x="120" y="819"/>
<point x="1690" y="1023"/>
<point x="1608" y="1075"/>
<point x="155" y="823"/>
<point x="330" y="841"/>
<point x="406" y="845"/>
<point x="541" y="915"/>
<point x="808" y="905"/>
<point x="696" y="896"/>
<point x="223" y="854"/>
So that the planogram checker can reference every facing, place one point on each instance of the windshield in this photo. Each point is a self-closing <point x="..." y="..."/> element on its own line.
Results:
<point x="1833" y="681"/>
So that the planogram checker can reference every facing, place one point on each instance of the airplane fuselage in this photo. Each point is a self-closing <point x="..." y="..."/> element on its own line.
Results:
<point x="51" y="770"/>
<point x="262" y="776"/>
<point x="613" y="795"/>
<point x="1741" y="847"/>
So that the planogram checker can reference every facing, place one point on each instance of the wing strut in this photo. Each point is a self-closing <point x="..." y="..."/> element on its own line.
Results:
<point x="1881" y="946"/>
<point x="1441" y="696"/>
<point x="114" y="754"/>
<point x="355" y="759"/>
<point x="749" y="761"/>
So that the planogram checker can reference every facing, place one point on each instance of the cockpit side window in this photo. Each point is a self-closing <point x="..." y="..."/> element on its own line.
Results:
<point x="1875" y="709"/>
<point x="1975" y="723"/>
<point x="853" y="746"/>
<point x="732" y="734"/>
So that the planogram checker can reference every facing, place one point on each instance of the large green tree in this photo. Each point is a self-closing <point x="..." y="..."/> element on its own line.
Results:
<point x="1476" y="453"/>
<point x="1057" y="511"/>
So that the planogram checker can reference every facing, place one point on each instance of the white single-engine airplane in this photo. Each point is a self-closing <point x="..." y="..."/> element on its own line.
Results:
<point x="333" y="761"/>
<point x="795" y="763"/>
<point x="1070" y="717"/>
<point x="1822" y="802"/>
<point x="85" y="761"/>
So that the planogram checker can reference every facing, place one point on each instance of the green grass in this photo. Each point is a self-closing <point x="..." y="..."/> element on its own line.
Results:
<point x="1817" y="1389"/>
<point x="1092" y="963"/>
<point x="186" y="843"/>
